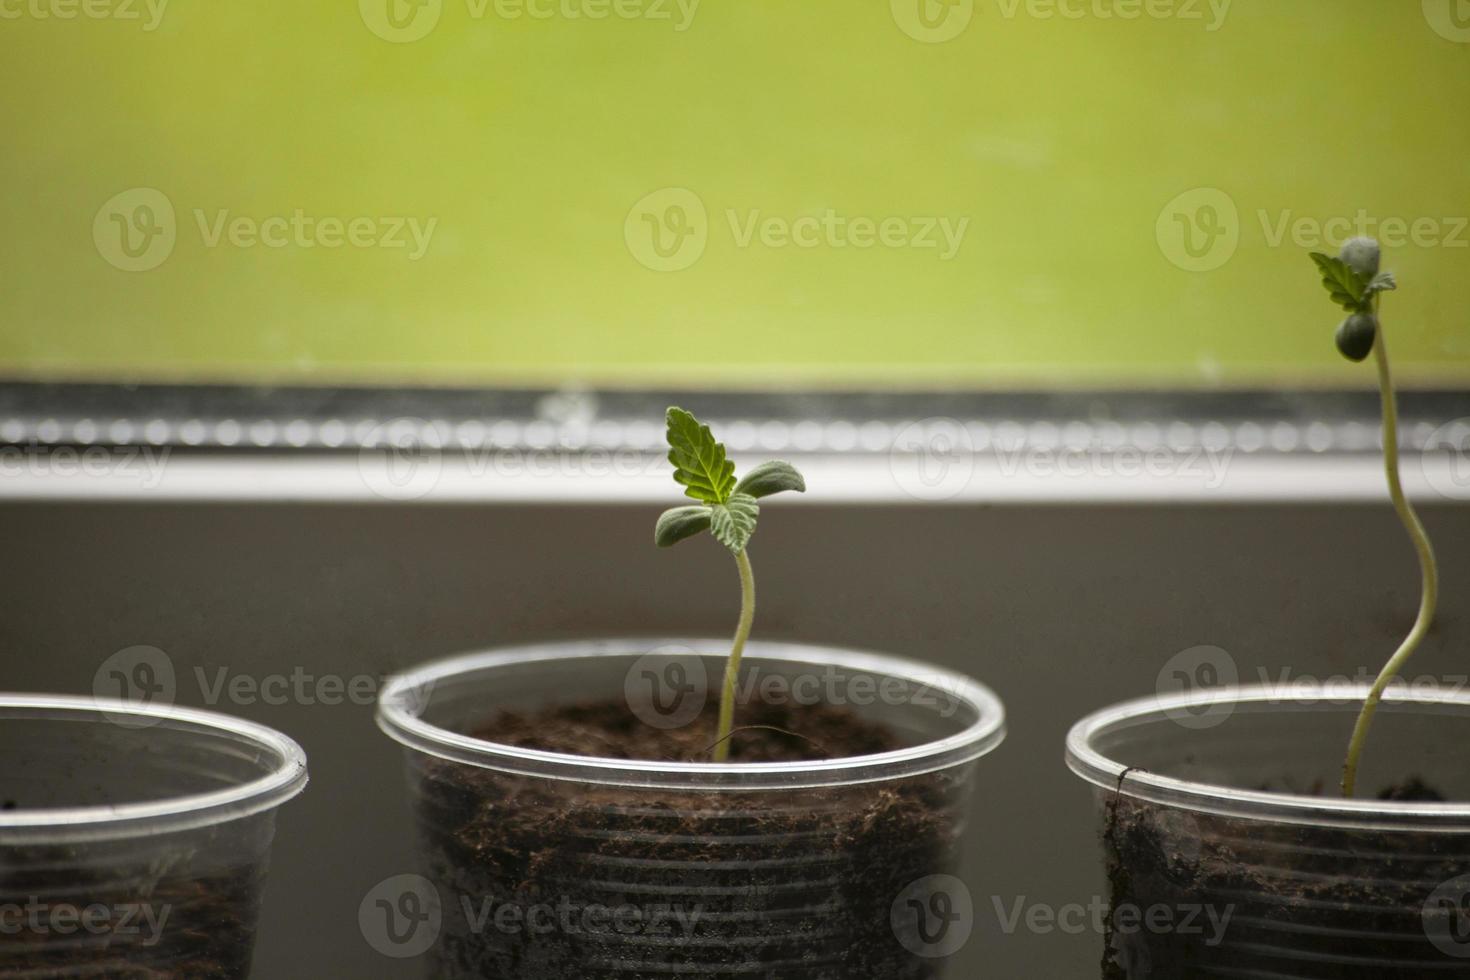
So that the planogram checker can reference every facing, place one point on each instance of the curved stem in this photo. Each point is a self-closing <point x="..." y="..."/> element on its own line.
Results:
<point x="1428" y="569"/>
<point x="732" y="666"/>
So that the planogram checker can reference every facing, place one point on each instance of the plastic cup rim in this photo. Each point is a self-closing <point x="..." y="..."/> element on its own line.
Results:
<point x="398" y="718"/>
<point x="1109" y="774"/>
<point x="286" y="779"/>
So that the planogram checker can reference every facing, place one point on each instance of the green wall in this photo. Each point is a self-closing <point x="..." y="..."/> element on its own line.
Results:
<point x="535" y="154"/>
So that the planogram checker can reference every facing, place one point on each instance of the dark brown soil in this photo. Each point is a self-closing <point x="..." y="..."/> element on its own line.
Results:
<point x="1308" y="903"/>
<point x="765" y="733"/>
<point x="792" y="885"/>
<point x="139" y="926"/>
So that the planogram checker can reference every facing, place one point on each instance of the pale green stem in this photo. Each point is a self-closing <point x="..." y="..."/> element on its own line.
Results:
<point x="1427" y="567"/>
<point x="732" y="666"/>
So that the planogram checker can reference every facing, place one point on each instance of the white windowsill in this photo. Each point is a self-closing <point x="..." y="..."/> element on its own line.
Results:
<point x="152" y="475"/>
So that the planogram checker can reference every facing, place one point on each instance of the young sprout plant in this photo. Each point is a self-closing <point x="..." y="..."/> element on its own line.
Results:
<point x="728" y="510"/>
<point x="1356" y="284"/>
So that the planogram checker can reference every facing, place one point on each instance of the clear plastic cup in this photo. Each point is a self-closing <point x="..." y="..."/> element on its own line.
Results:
<point x="542" y="864"/>
<point x="134" y="838"/>
<point x="1230" y="852"/>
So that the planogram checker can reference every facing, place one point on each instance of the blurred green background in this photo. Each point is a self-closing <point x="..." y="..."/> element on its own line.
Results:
<point x="745" y="193"/>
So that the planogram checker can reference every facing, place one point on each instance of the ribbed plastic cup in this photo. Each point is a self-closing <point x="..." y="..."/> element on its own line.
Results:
<point x="134" y="838"/>
<point x="551" y="865"/>
<point x="1231" y="853"/>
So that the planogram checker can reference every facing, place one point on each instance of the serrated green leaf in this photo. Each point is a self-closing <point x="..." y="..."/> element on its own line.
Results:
<point x="678" y="523"/>
<point x="769" y="478"/>
<point x="699" y="460"/>
<point x="733" y="522"/>
<point x="1346" y="287"/>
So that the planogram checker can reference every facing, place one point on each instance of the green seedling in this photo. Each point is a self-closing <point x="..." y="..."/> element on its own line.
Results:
<point x="727" y="509"/>
<point x="1355" y="283"/>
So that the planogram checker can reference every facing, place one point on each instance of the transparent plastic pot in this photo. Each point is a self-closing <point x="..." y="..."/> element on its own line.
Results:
<point x="1230" y="852"/>
<point x="541" y="864"/>
<point x="134" y="838"/>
